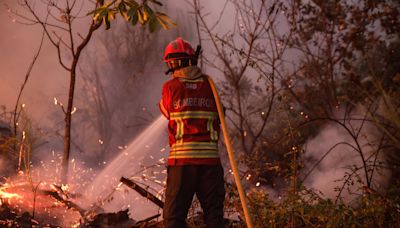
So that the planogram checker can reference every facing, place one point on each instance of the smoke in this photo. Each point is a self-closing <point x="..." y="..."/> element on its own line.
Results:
<point x="18" y="44"/>
<point x="131" y="90"/>
<point x="333" y="155"/>
<point x="5" y="167"/>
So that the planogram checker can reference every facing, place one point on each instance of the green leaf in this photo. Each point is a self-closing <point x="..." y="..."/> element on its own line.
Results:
<point x="153" y="24"/>
<point x="164" y="20"/>
<point x="104" y="13"/>
<point x="163" y="24"/>
<point x="133" y="11"/>
<point x="148" y="10"/>
<point x="133" y="17"/>
<point x="132" y="4"/>
<point x="122" y="7"/>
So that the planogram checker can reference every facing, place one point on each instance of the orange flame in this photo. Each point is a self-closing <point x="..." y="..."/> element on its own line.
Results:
<point x="8" y="196"/>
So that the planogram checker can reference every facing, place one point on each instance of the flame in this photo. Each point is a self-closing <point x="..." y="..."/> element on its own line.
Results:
<point x="65" y="187"/>
<point x="8" y="196"/>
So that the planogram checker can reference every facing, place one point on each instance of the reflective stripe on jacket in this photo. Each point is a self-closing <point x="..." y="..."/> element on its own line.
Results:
<point x="193" y="127"/>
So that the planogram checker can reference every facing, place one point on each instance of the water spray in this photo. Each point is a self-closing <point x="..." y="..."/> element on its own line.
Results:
<point x="229" y="148"/>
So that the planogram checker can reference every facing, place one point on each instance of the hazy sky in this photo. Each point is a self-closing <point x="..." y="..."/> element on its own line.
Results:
<point x="18" y="44"/>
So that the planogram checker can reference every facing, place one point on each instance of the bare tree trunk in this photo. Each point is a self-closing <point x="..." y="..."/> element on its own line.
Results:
<point x="67" y="130"/>
<point x="68" y="114"/>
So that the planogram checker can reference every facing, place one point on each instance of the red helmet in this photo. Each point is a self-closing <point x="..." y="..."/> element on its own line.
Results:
<point x="178" y="49"/>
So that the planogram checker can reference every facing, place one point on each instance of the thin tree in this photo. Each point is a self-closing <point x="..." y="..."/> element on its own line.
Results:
<point x="59" y="25"/>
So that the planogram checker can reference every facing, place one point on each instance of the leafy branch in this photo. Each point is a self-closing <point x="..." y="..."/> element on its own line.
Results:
<point x="133" y="12"/>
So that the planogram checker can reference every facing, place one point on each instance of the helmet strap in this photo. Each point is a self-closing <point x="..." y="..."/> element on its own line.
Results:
<point x="180" y="63"/>
<point x="169" y="71"/>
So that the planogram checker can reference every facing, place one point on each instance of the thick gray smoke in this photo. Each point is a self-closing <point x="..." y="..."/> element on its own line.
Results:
<point x="336" y="149"/>
<point x="18" y="44"/>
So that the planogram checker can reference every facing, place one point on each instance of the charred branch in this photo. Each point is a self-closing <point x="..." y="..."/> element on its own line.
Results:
<point x="143" y="192"/>
<point x="64" y="200"/>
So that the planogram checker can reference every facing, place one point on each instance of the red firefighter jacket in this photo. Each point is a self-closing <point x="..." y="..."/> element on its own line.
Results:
<point x="193" y="128"/>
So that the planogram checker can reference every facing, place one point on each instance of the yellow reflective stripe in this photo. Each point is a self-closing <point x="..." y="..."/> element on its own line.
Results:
<point x="211" y="128"/>
<point x="179" y="130"/>
<point x="194" y="154"/>
<point x="190" y="156"/>
<point x="192" y="114"/>
<point x="194" y="146"/>
<point x="191" y="80"/>
<point x="215" y="133"/>
<point x="182" y="131"/>
<point x="199" y="112"/>
<point x="194" y="143"/>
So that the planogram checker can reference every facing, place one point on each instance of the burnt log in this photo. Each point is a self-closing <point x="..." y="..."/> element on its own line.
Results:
<point x="66" y="202"/>
<point x="143" y="192"/>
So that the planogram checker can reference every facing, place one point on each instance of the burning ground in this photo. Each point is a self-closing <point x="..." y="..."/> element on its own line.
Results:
<point x="26" y="201"/>
<point x="126" y="191"/>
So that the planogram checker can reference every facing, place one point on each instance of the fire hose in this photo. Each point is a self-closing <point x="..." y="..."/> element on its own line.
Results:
<point x="229" y="148"/>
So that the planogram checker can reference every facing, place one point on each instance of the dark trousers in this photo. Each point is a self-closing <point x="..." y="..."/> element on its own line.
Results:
<point x="207" y="182"/>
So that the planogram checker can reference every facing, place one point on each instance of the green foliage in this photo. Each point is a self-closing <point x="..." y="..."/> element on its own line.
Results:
<point x="133" y="12"/>
<point x="307" y="209"/>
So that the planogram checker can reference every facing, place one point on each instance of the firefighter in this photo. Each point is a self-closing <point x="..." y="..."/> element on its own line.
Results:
<point x="194" y="165"/>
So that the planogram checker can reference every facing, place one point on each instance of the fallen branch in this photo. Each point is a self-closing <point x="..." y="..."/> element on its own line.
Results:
<point x="66" y="202"/>
<point x="142" y="223"/>
<point x="143" y="192"/>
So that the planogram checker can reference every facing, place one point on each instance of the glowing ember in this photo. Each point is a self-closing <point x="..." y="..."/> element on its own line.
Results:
<point x="248" y="176"/>
<point x="73" y="110"/>
<point x="64" y="187"/>
<point x="40" y="191"/>
<point x="26" y="196"/>
<point x="8" y="195"/>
